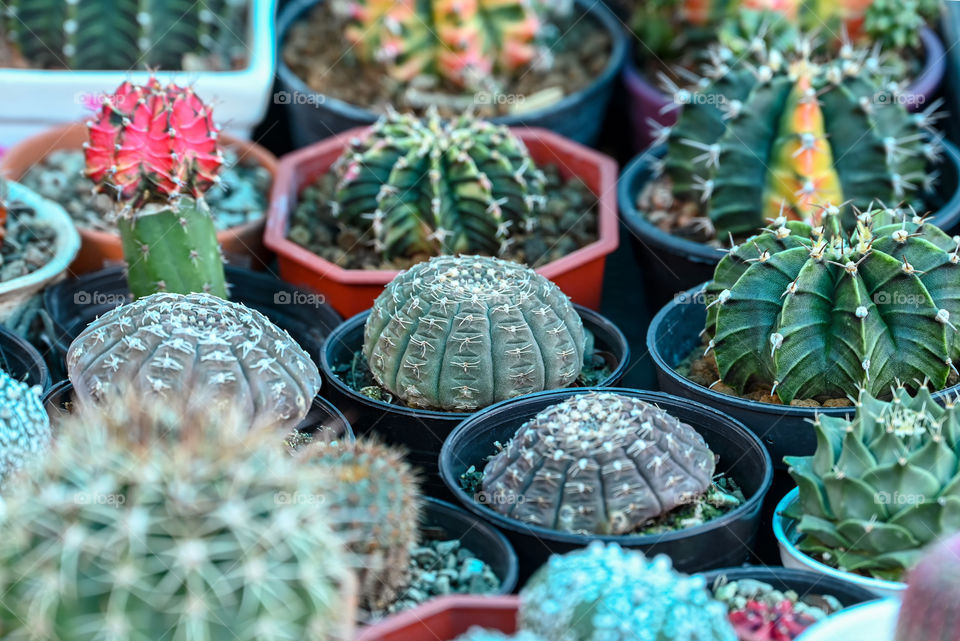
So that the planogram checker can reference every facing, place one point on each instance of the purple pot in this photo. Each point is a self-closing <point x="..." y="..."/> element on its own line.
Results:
<point x="647" y="102"/>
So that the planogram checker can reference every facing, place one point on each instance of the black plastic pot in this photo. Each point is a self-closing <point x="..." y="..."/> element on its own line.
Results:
<point x="671" y="265"/>
<point x="422" y="432"/>
<point x="785" y="430"/>
<point x="73" y="303"/>
<point x="803" y="582"/>
<point x="22" y="361"/>
<point x="721" y="542"/>
<point x="579" y="116"/>
<point x="58" y="401"/>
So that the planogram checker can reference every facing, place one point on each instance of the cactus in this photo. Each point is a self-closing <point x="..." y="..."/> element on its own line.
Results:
<point x="783" y="136"/>
<point x="896" y="24"/>
<point x="155" y="149"/>
<point x="435" y="187"/>
<point x="930" y="608"/>
<point x="598" y="463"/>
<point x="461" y="333"/>
<point x="611" y="594"/>
<point x="813" y="313"/>
<point x="482" y="634"/>
<point x="24" y="426"/>
<point x="122" y="34"/>
<point x="461" y="42"/>
<point x="882" y="486"/>
<point x="759" y="612"/>
<point x="147" y="523"/>
<point x="373" y="502"/>
<point x="172" y="344"/>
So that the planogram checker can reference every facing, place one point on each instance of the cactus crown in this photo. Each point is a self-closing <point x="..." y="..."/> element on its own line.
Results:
<point x="598" y="463"/>
<point x="814" y="313"/>
<point x="931" y="604"/>
<point x="880" y="487"/>
<point x="24" y="426"/>
<point x="438" y="187"/>
<point x="461" y="333"/>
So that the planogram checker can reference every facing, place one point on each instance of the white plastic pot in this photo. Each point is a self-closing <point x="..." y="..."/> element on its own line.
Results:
<point x="35" y="100"/>
<point x="873" y="621"/>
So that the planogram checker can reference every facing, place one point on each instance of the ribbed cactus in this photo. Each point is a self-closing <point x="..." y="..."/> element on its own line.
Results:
<point x="757" y="140"/>
<point x="930" y="609"/>
<point x="155" y="148"/>
<point x="882" y="486"/>
<point x="438" y="187"/>
<point x="372" y="498"/>
<point x="122" y="34"/>
<point x="148" y="523"/>
<point x="24" y="426"/>
<point x="461" y="333"/>
<point x="462" y="42"/>
<point x="605" y="593"/>
<point x="173" y="345"/>
<point x="598" y="463"/>
<point x="815" y="313"/>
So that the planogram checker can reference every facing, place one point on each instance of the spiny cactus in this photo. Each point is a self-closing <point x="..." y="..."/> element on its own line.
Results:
<point x="24" y="426"/>
<point x="815" y="313"/>
<point x="782" y="136"/>
<point x="438" y="187"/>
<point x="759" y="612"/>
<point x="461" y="333"/>
<point x="598" y="463"/>
<point x="882" y="486"/>
<point x="146" y="523"/>
<point x="462" y="42"/>
<point x="172" y="344"/>
<point x="482" y="634"/>
<point x="896" y="24"/>
<point x="605" y="593"/>
<point x="155" y="148"/>
<point x="122" y="34"/>
<point x="372" y="498"/>
<point x="930" y="608"/>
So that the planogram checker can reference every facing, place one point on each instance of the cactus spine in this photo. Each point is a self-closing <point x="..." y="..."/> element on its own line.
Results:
<point x="24" y="426"/>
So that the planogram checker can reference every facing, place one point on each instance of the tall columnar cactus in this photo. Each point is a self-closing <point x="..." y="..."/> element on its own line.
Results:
<point x="146" y="523"/>
<point x="814" y="313"/>
<point x="155" y="149"/>
<point x="460" y="333"/>
<point x="24" y="426"/>
<point x="438" y="187"/>
<point x="461" y="41"/>
<point x="598" y="463"/>
<point x="783" y="136"/>
<point x="121" y="34"/>
<point x="880" y="487"/>
<point x="171" y="345"/>
<point x="372" y="498"/>
<point x="931" y="604"/>
<point x="605" y="593"/>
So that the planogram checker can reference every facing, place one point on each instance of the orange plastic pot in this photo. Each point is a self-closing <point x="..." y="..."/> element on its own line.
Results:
<point x="350" y="291"/>
<point x="242" y="245"/>
<point x="446" y="618"/>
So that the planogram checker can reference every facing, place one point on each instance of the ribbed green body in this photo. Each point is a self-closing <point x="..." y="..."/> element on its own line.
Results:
<point x="24" y="426"/>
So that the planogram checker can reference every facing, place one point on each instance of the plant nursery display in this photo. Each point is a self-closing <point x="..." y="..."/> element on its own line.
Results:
<point x="24" y="426"/>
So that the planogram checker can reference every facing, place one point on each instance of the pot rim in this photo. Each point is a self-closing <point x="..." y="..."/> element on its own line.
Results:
<point x="36" y="357"/>
<point x="823" y="584"/>
<point x="418" y="617"/>
<point x="879" y="606"/>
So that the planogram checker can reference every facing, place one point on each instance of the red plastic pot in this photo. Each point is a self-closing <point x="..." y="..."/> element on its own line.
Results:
<point x="351" y="291"/>
<point x="446" y="618"/>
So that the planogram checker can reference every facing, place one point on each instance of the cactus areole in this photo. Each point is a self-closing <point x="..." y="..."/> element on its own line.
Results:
<point x="154" y="148"/>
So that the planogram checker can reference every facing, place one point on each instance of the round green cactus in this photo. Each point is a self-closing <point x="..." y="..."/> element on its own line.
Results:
<point x="880" y="487"/>
<point x="815" y="313"/>
<point x="598" y="463"/>
<point x="461" y="333"/>
<point x="605" y="593"/>
<point x="24" y="426"/>
<point x="438" y="187"/>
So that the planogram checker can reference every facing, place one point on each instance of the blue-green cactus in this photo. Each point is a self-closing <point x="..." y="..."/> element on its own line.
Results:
<point x="24" y="425"/>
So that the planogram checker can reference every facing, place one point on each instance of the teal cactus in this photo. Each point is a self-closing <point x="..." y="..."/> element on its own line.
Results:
<point x="606" y="593"/>
<point x="881" y="487"/>
<point x="24" y="426"/>
<point x="438" y="187"/>
<point x="482" y="634"/>
<point x="598" y="463"/>
<point x="814" y="313"/>
<point x="461" y="333"/>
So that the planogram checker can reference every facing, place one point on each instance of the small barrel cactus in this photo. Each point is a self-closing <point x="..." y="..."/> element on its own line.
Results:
<point x="438" y="187"/>
<point x="24" y="426"/>
<point x="605" y="593"/>
<point x="372" y="498"/>
<point x="815" y="313"/>
<point x="172" y="344"/>
<point x="461" y="333"/>
<point x="598" y="463"/>
<point x="930" y="609"/>
<point x="155" y="148"/>
<point x="881" y="487"/>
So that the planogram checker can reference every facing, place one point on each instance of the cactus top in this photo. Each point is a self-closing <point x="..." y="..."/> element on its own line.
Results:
<point x="461" y="333"/>
<point x="197" y="345"/>
<point x="598" y="463"/>
<point x="24" y="425"/>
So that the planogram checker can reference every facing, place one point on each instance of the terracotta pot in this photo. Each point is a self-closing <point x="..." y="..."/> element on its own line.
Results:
<point x="446" y="618"/>
<point x="242" y="245"/>
<point x="351" y="291"/>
